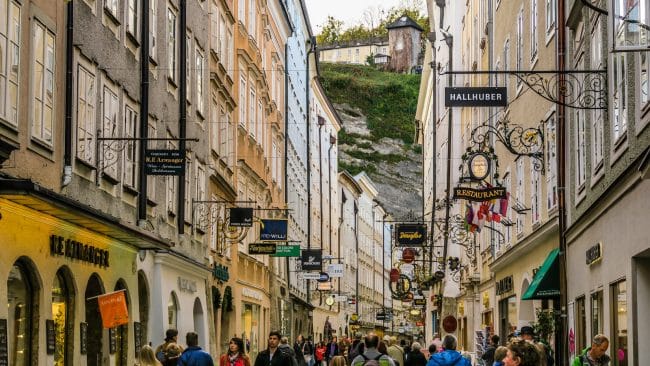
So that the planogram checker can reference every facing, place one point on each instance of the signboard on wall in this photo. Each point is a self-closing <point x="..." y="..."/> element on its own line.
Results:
<point x="410" y="235"/>
<point x="261" y="248"/>
<point x="241" y="217"/>
<point x="476" y="97"/>
<point x="273" y="230"/>
<point x="164" y="162"/>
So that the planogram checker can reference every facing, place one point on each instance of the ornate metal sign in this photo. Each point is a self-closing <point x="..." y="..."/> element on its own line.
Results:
<point x="480" y="195"/>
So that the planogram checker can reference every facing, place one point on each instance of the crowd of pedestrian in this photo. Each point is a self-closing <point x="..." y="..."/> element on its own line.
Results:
<point x="520" y="350"/>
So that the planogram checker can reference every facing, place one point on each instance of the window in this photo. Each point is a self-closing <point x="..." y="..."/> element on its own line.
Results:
<point x="61" y="311"/>
<point x="251" y="115"/>
<point x="171" y="44"/>
<point x="550" y="16"/>
<point x="43" y="115"/>
<point x="533" y="30"/>
<point x="520" y="43"/>
<point x="112" y="6"/>
<point x="200" y="92"/>
<point x="581" y="153"/>
<point x="581" y="324"/>
<point x="506" y="62"/>
<point x="151" y="179"/>
<point x="230" y="60"/>
<point x="242" y="100"/>
<point x="619" y="323"/>
<point x="241" y="11"/>
<point x="596" y="313"/>
<point x="200" y="182"/>
<point x="110" y="128"/>
<point x="619" y="98"/>
<point x="252" y="18"/>
<point x="172" y="312"/>
<point x="260" y="123"/>
<point x="153" y="29"/>
<point x="519" y="194"/>
<point x="9" y="60"/>
<point x="215" y="30"/>
<point x="188" y="64"/>
<point x="130" y="147"/>
<point x="227" y="141"/>
<point x="551" y="163"/>
<point x="536" y="197"/>
<point x="132" y="18"/>
<point x="644" y="84"/>
<point x="20" y="311"/>
<point x="86" y="128"/>
<point x="274" y="161"/>
<point x="597" y="115"/>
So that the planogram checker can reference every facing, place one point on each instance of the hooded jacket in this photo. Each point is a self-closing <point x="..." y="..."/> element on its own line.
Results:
<point x="604" y="359"/>
<point x="448" y="358"/>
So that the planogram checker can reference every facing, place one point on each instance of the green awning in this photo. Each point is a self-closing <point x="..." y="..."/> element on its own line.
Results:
<point x="546" y="283"/>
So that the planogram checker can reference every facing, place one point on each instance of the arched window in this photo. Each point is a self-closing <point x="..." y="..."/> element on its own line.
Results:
<point x="62" y="300"/>
<point x="199" y="322"/>
<point x="19" y="323"/>
<point x="122" y="331"/>
<point x="143" y="304"/>
<point x="94" y="329"/>
<point x="172" y="312"/>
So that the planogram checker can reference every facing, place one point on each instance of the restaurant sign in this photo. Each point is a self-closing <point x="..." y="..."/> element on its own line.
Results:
<point x="476" y="97"/>
<point x="479" y="195"/>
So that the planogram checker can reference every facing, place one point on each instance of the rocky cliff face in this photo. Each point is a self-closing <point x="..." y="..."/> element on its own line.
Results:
<point x="394" y="167"/>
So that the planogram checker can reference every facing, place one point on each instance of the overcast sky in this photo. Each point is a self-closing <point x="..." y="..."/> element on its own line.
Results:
<point x="349" y="11"/>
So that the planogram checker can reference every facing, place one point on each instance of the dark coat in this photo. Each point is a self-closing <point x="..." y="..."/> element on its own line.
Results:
<point x="415" y="358"/>
<point x="279" y="358"/>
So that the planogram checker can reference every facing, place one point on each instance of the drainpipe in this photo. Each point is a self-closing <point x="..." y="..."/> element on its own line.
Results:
<point x="286" y="149"/>
<point x="561" y="338"/>
<point x="69" y="52"/>
<point x="144" y="108"/>
<point x="321" y="123"/>
<point x="433" y="127"/>
<point x="329" y="187"/>
<point x="343" y="199"/>
<point x="182" y="111"/>
<point x="312" y="49"/>
<point x="356" y="247"/>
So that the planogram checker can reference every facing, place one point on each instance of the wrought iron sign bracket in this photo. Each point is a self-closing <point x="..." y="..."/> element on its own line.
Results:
<point x="580" y="89"/>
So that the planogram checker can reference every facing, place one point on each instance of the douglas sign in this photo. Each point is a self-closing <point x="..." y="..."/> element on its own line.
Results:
<point x="409" y="235"/>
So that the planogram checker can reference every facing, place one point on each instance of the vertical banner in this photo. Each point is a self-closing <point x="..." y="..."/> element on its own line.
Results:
<point x="113" y="309"/>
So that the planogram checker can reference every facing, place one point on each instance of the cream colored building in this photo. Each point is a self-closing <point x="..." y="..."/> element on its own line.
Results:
<point x="355" y="53"/>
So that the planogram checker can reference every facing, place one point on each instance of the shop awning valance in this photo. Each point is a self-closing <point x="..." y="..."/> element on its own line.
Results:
<point x="546" y="283"/>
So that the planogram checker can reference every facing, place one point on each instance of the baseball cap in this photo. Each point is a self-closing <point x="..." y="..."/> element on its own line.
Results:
<point x="527" y="330"/>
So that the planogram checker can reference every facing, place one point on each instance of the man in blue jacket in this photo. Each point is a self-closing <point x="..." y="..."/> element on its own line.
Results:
<point x="449" y="356"/>
<point x="193" y="354"/>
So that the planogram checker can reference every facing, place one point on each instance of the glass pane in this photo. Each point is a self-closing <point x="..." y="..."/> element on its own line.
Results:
<point x="620" y="351"/>
<point x="172" y="311"/>
<point x="596" y="313"/>
<point x="19" y="314"/>
<point x="59" y="310"/>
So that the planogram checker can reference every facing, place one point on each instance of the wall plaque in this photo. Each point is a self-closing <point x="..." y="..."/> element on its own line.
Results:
<point x="83" y="338"/>
<point x="504" y="285"/>
<point x="137" y="337"/>
<point x="594" y="254"/>
<point x="112" y="340"/>
<point x="50" y="336"/>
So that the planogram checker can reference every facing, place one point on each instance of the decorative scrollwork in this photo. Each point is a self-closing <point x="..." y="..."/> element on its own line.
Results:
<point x="519" y="140"/>
<point x="579" y="90"/>
<point x="214" y="214"/>
<point x="458" y="234"/>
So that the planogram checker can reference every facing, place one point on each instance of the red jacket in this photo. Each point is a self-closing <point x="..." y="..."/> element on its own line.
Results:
<point x="320" y="353"/>
<point x="225" y="361"/>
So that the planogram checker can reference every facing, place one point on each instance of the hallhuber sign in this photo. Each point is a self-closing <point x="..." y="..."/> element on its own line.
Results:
<point x="409" y="235"/>
<point x="476" y="97"/>
<point x="479" y="195"/>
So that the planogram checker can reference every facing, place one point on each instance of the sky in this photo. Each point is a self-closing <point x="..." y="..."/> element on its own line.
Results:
<point x="349" y="11"/>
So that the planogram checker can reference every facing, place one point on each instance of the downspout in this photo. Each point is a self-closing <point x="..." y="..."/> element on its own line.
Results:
<point x="144" y="109"/>
<point x="329" y="188"/>
<point x="433" y="127"/>
<point x="69" y="52"/>
<point x="182" y="111"/>
<point x="343" y="199"/>
<point x="450" y="79"/>
<point x="312" y="48"/>
<point x="356" y="247"/>
<point x="286" y="148"/>
<point x="321" y="122"/>
<point x="561" y="338"/>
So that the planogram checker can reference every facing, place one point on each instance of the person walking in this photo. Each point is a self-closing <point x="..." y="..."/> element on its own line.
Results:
<point x="174" y="351"/>
<point x="522" y="353"/>
<point x="372" y="353"/>
<point x="193" y="355"/>
<point x="235" y="355"/>
<point x="285" y="348"/>
<point x="273" y="356"/>
<point x="146" y="357"/>
<point x="299" y="347"/>
<point x="488" y="356"/>
<point x="320" y="353"/>
<point x="394" y="351"/>
<point x="499" y="354"/>
<point x="528" y="334"/>
<point x="596" y="354"/>
<point x="416" y="357"/>
<point x="171" y="336"/>
<point x="338" y="361"/>
<point x="449" y="356"/>
<point x="332" y="349"/>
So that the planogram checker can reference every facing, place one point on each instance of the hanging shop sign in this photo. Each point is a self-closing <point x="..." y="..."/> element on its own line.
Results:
<point x="476" y="97"/>
<point x="273" y="230"/>
<point x="261" y="248"/>
<point x="394" y="275"/>
<point x="310" y="275"/>
<point x="504" y="285"/>
<point x="479" y="166"/>
<point x="330" y="300"/>
<point x="409" y="235"/>
<point x="381" y="316"/>
<point x="420" y="302"/>
<point x="324" y="286"/>
<point x="323" y="277"/>
<point x="220" y="272"/>
<point x="312" y="259"/>
<point x="164" y="162"/>
<point x="401" y="287"/>
<point x="137" y="336"/>
<point x="241" y="217"/>
<point x="83" y="338"/>
<point x="480" y="195"/>
<point x="75" y="250"/>
<point x="449" y="324"/>
<point x="594" y="254"/>
<point x="335" y="270"/>
<point x="287" y="251"/>
<point x="112" y="307"/>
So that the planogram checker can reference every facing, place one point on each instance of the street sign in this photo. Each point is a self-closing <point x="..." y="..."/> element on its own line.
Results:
<point x="335" y="270"/>
<point x="476" y="97"/>
<point x="164" y="162"/>
<point x="287" y="251"/>
<point x="261" y="248"/>
<point x="310" y="275"/>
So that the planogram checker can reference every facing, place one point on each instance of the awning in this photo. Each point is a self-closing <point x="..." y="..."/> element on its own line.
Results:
<point x="546" y="283"/>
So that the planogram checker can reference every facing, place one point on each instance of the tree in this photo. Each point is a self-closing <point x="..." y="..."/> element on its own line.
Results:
<point x="331" y="31"/>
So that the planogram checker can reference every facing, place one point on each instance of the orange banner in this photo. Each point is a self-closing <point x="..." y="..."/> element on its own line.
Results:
<point x="113" y="309"/>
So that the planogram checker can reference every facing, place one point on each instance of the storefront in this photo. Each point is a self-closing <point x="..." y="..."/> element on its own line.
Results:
<point x="52" y="270"/>
<point x="253" y="320"/>
<point x="609" y="272"/>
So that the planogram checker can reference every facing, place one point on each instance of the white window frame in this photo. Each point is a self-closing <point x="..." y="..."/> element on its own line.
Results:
<point x="534" y="43"/>
<point x="110" y="129"/>
<point x="519" y="62"/>
<point x="153" y="29"/>
<point x="536" y="196"/>
<point x="251" y="112"/>
<point x="252" y="18"/>
<point x="130" y="151"/>
<point x="581" y="153"/>
<point x="10" y="60"/>
<point x="172" y="44"/>
<point x="551" y="162"/>
<point x="241" y="11"/>
<point x="643" y="62"/>
<point x="230" y="59"/>
<point x="230" y="148"/>
<point x="188" y="65"/>
<point x="151" y="179"/>
<point x="215" y="29"/>
<point x="550" y="17"/>
<point x="132" y="17"/>
<point x="619" y="98"/>
<point x="189" y="192"/>
<point x="274" y="160"/>
<point x="242" y="100"/>
<point x="520" y="194"/>
<point x="260" y="121"/>
<point x="43" y="89"/>
<point x="224" y="138"/>
<point x="200" y="82"/>
<point x="112" y="6"/>
<point x="86" y="114"/>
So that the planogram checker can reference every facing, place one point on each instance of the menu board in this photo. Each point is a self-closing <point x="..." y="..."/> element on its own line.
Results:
<point x="137" y="335"/>
<point x="83" y="338"/>
<point x="4" y="347"/>
<point x="50" y="336"/>
<point x="112" y="340"/>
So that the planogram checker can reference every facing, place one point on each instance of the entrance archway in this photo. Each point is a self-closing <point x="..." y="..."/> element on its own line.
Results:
<point x="22" y="306"/>
<point x="122" y="331"/>
<point x="63" y="294"/>
<point x="95" y="331"/>
<point x="199" y="322"/>
<point x="526" y="307"/>
<point x="143" y="307"/>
